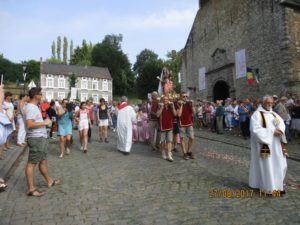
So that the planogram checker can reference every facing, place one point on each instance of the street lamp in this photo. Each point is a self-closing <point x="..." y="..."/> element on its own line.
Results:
<point x="24" y="74"/>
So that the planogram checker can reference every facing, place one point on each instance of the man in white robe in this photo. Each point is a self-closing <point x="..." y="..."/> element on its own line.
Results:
<point x="267" y="173"/>
<point x="126" y="116"/>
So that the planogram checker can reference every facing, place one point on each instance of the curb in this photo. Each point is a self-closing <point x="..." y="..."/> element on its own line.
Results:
<point x="11" y="162"/>
<point x="291" y="157"/>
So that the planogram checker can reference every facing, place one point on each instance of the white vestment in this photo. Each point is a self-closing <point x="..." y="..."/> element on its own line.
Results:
<point x="126" y="116"/>
<point x="267" y="174"/>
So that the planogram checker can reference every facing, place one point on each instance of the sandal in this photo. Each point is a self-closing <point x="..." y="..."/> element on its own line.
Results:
<point x="35" y="193"/>
<point x="55" y="182"/>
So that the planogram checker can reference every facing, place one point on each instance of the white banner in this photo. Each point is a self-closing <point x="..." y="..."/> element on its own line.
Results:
<point x="240" y="64"/>
<point x="73" y="93"/>
<point x="201" y="79"/>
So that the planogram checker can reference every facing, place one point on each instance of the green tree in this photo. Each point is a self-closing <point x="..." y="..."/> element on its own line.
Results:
<point x="71" y="50"/>
<point x="53" y="50"/>
<point x="147" y="67"/>
<point x="109" y="54"/>
<point x="72" y="82"/>
<point x="82" y="55"/>
<point x="33" y="71"/>
<point x="11" y="71"/>
<point x="65" y="51"/>
<point x="173" y="64"/>
<point x="58" y="48"/>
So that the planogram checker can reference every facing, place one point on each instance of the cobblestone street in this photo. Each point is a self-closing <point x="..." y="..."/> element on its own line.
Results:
<point x="106" y="187"/>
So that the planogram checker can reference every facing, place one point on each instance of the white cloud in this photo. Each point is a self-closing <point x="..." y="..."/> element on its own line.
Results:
<point x="166" y="19"/>
<point x="25" y="38"/>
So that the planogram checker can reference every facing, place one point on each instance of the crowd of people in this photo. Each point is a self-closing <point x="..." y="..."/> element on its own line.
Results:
<point x="234" y="115"/>
<point x="163" y="124"/>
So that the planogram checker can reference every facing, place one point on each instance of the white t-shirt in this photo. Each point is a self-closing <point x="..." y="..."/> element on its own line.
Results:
<point x="9" y="108"/>
<point x="32" y="112"/>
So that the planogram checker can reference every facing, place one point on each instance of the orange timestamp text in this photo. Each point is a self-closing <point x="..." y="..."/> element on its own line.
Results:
<point x="230" y="193"/>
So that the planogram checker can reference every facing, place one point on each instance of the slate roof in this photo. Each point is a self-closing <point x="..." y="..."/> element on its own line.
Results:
<point x="79" y="71"/>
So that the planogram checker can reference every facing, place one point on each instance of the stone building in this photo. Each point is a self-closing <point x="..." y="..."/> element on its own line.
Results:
<point x="91" y="82"/>
<point x="269" y="33"/>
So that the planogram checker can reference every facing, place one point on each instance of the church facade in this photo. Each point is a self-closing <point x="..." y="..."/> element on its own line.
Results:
<point x="227" y="37"/>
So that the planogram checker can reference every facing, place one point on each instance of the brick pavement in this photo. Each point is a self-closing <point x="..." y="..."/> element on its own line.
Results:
<point x="106" y="187"/>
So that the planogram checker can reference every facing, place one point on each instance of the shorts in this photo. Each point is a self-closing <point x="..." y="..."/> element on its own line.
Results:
<point x="37" y="149"/>
<point x="166" y="136"/>
<point x="234" y="122"/>
<point x="103" y="123"/>
<point x="187" y="132"/>
<point x="83" y="125"/>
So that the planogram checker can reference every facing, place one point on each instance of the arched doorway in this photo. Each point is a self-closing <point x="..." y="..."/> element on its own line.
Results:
<point x="221" y="91"/>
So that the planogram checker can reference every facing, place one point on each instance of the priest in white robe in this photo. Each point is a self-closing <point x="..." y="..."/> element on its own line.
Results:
<point x="126" y="116"/>
<point x="267" y="171"/>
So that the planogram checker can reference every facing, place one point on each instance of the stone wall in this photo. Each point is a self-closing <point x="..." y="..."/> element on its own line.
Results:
<point x="262" y="28"/>
<point x="292" y="42"/>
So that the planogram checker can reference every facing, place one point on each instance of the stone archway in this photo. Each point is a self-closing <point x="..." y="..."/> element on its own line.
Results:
<point x="220" y="91"/>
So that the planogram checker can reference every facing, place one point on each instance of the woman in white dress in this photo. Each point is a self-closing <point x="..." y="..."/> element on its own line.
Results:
<point x="83" y="126"/>
<point x="20" y="115"/>
<point x="8" y="107"/>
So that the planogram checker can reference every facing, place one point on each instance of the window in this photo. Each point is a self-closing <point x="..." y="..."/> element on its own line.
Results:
<point x="49" y="95"/>
<point x="105" y="97"/>
<point x="84" y="83"/>
<point x="104" y="85"/>
<point x="84" y="97"/>
<point x="95" y="98"/>
<point x="49" y="82"/>
<point x="95" y="85"/>
<point x="61" y="95"/>
<point x="61" y="82"/>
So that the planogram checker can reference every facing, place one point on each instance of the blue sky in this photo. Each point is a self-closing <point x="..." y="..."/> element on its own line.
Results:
<point x="27" y="28"/>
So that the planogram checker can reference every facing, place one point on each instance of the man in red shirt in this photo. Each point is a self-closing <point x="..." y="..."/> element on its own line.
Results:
<point x="166" y="115"/>
<point x="44" y="106"/>
<point x="185" y="113"/>
<point x="153" y="121"/>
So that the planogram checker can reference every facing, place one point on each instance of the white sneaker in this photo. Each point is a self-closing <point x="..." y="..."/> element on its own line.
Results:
<point x="81" y="148"/>
<point x="170" y="158"/>
<point x="163" y="155"/>
<point x="61" y="156"/>
<point x="67" y="151"/>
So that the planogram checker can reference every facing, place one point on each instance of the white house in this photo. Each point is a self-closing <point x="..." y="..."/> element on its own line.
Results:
<point x="91" y="82"/>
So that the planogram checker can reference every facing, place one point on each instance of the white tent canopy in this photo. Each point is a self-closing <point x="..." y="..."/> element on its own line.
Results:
<point x="31" y="84"/>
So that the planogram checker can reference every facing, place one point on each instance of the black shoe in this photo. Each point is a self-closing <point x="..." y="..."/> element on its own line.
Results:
<point x="191" y="156"/>
<point x="101" y="140"/>
<point x="282" y="192"/>
<point x="106" y="141"/>
<point x="125" y="153"/>
<point x="175" y="150"/>
<point x="185" y="156"/>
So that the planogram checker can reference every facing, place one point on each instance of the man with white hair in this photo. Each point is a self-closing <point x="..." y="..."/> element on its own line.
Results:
<point x="126" y="116"/>
<point x="268" y="156"/>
